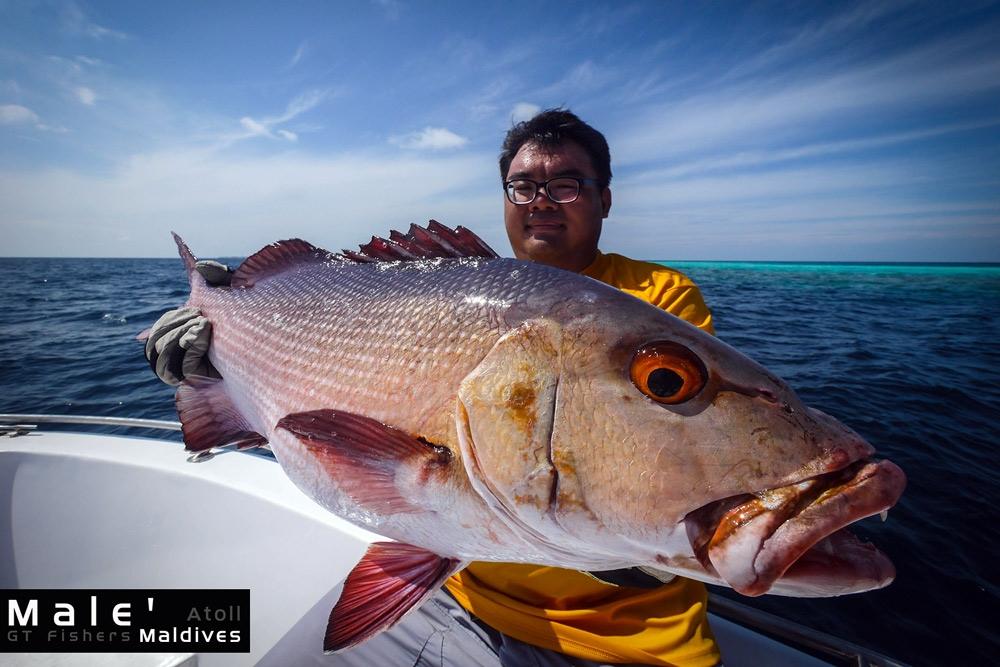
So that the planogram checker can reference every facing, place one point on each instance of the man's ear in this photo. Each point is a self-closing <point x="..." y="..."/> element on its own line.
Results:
<point x="605" y="202"/>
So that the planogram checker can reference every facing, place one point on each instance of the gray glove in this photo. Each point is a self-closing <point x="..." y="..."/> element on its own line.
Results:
<point x="178" y="343"/>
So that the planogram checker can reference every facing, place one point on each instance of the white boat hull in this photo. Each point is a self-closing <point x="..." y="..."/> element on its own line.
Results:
<point x="86" y="511"/>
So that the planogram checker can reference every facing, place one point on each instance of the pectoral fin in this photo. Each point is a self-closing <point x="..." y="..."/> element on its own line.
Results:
<point x="378" y="466"/>
<point x="390" y="580"/>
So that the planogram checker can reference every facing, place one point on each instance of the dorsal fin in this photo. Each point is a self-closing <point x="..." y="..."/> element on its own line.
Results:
<point x="185" y="253"/>
<point x="276" y="258"/>
<point x="435" y="240"/>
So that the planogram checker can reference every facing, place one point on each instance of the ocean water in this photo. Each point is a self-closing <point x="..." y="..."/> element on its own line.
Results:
<point x="907" y="355"/>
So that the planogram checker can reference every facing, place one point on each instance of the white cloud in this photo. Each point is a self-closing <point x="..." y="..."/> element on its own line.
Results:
<point x="10" y="87"/>
<point x="15" y="114"/>
<point x="227" y="204"/>
<point x="86" y="96"/>
<point x="301" y="104"/>
<point x="758" y="111"/>
<point x="748" y="159"/>
<point x="254" y="128"/>
<point x="265" y="127"/>
<point x="392" y="8"/>
<point x="297" y="56"/>
<point x="430" y="138"/>
<point x="75" y="21"/>
<point x="524" y="111"/>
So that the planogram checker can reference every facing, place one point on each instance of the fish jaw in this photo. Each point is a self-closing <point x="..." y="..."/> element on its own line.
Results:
<point x="790" y="540"/>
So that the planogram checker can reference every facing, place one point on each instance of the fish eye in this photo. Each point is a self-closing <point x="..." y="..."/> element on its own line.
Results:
<point x="667" y="372"/>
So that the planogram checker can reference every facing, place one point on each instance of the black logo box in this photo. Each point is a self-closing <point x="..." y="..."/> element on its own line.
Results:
<point x="125" y="621"/>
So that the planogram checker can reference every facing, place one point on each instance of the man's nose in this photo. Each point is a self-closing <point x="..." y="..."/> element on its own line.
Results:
<point x="541" y="201"/>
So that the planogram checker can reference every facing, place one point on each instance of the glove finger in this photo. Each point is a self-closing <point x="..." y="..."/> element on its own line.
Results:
<point x="196" y="340"/>
<point x="214" y="273"/>
<point x="168" y="322"/>
<point x="167" y="364"/>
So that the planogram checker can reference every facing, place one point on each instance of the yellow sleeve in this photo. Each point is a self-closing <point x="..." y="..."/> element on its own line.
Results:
<point x="656" y="284"/>
<point x="687" y="303"/>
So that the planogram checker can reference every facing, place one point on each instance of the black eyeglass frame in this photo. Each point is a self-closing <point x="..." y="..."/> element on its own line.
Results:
<point x="539" y="185"/>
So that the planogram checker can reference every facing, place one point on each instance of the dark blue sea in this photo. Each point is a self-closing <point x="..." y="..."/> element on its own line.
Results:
<point x="907" y="355"/>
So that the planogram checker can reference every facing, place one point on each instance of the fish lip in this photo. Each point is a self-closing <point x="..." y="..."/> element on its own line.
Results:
<point x="752" y="540"/>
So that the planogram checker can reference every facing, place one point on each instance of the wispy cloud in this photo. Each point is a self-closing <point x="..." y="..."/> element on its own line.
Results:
<point x="201" y="194"/>
<point x="391" y="8"/>
<point x="86" y="96"/>
<point x="743" y="114"/>
<point x="297" y="56"/>
<point x="748" y="159"/>
<point x="523" y="111"/>
<point x="254" y="128"/>
<point x="15" y="114"/>
<point x="804" y="43"/>
<point x="268" y="126"/>
<point x="430" y="138"/>
<point x="75" y="21"/>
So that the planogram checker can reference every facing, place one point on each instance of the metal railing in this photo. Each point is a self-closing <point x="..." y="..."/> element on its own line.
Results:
<point x="824" y="646"/>
<point x="25" y="422"/>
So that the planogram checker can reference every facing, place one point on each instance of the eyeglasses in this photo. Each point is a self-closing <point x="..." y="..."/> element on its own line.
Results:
<point x="562" y="190"/>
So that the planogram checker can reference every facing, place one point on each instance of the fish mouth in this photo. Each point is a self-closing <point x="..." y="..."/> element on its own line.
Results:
<point x="791" y="540"/>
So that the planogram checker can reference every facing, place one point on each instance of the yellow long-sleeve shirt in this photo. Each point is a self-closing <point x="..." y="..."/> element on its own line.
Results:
<point x="571" y="612"/>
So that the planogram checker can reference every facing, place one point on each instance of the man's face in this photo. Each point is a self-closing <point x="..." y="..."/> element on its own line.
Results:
<point x="561" y="235"/>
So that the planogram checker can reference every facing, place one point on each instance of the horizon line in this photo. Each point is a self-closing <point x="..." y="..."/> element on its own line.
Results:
<point x="694" y="261"/>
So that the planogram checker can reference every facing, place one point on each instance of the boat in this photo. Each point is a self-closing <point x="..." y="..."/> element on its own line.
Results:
<point x="92" y="510"/>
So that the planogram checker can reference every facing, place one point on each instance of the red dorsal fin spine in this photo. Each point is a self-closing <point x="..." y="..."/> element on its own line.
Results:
<point x="182" y="248"/>
<point x="434" y="241"/>
<point x="364" y="456"/>
<point x="390" y="580"/>
<point x="277" y="258"/>
<point x="209" y="418"/>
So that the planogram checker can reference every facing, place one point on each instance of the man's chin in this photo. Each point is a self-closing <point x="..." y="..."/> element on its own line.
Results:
<point x="546" y="234"/>
<point x="543" y="245"/>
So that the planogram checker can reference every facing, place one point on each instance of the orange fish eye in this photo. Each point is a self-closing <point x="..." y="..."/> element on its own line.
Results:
<point x="668" y="372"/>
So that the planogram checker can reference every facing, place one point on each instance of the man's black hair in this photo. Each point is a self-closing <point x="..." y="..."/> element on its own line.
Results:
<point x="554" y="127"/>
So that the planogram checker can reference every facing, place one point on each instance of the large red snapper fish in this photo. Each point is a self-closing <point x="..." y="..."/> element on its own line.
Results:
<point x="472" y="407"/>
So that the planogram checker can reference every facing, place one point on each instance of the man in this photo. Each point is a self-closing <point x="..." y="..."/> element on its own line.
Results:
<point x="556" y="172"/>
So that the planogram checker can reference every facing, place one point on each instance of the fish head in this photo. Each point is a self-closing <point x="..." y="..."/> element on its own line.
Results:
<point x="656" y="443"/>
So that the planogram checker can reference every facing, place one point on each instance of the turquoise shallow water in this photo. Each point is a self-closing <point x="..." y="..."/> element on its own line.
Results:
<point x="907" y="355"/>
<point x="841" y="267"/>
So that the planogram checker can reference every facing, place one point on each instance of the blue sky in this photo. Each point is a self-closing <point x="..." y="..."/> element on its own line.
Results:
<point x="758" y="131"/>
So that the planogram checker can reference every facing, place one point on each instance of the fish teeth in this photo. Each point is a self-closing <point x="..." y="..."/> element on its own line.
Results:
<point x="884" y="514"/>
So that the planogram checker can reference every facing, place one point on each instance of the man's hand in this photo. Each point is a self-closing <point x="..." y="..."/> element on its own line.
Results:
<point x="178" y="343"/>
